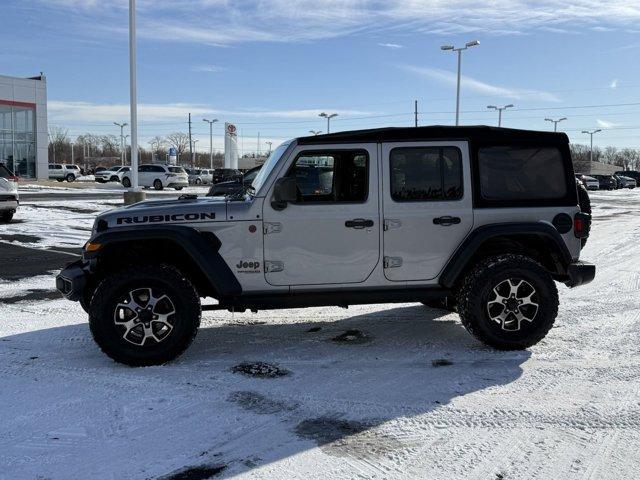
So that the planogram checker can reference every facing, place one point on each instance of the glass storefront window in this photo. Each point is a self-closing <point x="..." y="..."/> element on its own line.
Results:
<point x="17" y="139"/>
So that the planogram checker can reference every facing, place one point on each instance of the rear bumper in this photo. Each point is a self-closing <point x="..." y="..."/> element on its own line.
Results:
<point x="8" y="202"/>
<point x="71" y="281"/>
<point x="580" y="273"/>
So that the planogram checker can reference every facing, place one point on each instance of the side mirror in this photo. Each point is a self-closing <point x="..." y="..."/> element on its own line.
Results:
<point x="284" y="191"/>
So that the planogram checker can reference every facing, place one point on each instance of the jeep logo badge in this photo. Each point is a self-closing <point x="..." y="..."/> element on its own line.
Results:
<point x="248" y="266"/>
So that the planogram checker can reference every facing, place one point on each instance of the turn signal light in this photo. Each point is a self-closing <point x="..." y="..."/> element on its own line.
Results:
<point x="581" y="225"/>
<point x="92" y="247"/>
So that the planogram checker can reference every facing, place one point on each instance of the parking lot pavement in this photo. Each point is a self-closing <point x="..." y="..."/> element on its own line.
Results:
<point x="375" y="391"/>
<point x="18" y="262"/>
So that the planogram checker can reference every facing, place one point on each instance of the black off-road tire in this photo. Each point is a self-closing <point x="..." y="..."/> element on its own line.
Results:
<point x="157" y="184"/>
<point x="6" y="217"/>
<point x="126" y="183"/>
<point x="476" y="291"/>
<point x="163" y="279"/>
<point x="585" y="206"/>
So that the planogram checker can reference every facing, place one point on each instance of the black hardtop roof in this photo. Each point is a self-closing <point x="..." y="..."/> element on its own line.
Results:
<point x="479" y="133"/>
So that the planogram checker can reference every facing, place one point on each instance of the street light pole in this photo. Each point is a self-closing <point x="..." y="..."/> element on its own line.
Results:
<point x="500" y="110"/>
<point x="125" y="148"/>
<point x="459" y="51"/>
<point x="121" y="125"/>
<point x="193" y="156"/>
<point x="555" y="122"/>
<point x="133" y="94"/>
<point x="269" y="152"/>
<point x="328" y="116"/>
<point x="210" y="122"/>
<point x="591" y="133"/>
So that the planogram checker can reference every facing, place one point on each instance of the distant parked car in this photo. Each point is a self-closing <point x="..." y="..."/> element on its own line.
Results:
<point x="625" y="182"/>
<point x="62" y="172"/>
<point x="99" y="169"/>
<point x="225" y="175"/>
<point x="159" y="177"/>
<point x="226" y="188"/>
<point x="630" y="174"/>
<point x="590" y="183"/>
<point x="606" y="182"/>
<point x="113" y="174"/>
<point x="9" y="199"/>
<point x="199" y="176"/>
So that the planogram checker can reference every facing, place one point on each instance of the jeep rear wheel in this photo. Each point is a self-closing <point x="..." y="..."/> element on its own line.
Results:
<point x="157" y="184"/>
<point x="144" y="315"/>
<point x="6" y="217"/>
<point x="126" y="183"/>
<point x="508" y="302"/>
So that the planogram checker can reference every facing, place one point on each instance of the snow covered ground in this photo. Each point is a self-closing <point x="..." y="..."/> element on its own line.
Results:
<point x="416" y="397"/>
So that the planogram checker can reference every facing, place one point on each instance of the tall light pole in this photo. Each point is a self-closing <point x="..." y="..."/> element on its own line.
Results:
<point x="591" y="133"/>
<point x="121" y="125"/>
<point x="72" y="162"/>
<point x="135" y="195"/>
<point x="459" y="50"/>
<point x="210" y="122"/>
<point x="555" y="122"/>
<point x="328" y="116"/>
<point x="315" y="132"/>
<point x="193" y="157"/>
<point x="499" y="110"/>
<point x="125" y="148"/>
<point x="269" y="151"/>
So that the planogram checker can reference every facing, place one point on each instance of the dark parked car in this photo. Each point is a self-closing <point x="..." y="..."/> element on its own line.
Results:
<point x="631" y="174"/>
<point x="625" y="182"/>
<point x="226" y="175"/>
<point x="232" y="186"/>
<point x="606" y="182"/>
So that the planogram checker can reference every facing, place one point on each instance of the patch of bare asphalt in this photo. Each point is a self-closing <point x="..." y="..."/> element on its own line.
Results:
<point x="257" y="403"/>
<point x="345" y="438"/>
<point x="260" y="370"/>
<point x="65" y="208"/>
<point x="353" y="337"/>
<point x="200" y="472"/>
<point x="19" y="237"/>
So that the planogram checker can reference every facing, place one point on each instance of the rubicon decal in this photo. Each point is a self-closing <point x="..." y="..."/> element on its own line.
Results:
<point x="175" y="217"/>
<point x="248" y="266"/>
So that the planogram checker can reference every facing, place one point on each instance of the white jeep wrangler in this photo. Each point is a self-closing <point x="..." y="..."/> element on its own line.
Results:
<point x="479" y="219"/>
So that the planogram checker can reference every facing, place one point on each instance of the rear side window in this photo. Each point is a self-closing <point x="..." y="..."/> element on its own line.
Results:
<point x="176" y="169"/>
<point x="521" y="173"/>
<point x="5" y="172"/>
<point x="426" y="174"/>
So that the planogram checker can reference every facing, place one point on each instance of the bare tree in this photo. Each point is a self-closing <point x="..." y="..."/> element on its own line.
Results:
<point x="58" y="143"/>
<point x="179" y="141"/>
<point x="110" y="145"/>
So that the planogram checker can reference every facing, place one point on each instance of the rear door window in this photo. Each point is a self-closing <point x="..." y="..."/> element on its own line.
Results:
<point x="5" y="172"/>
<point x="426" y="174"/>
<point x="521" y="173"/>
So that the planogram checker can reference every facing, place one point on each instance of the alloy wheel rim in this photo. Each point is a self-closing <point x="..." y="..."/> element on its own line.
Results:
<point x="512" y="302"/>
<point x="144" y="317"/>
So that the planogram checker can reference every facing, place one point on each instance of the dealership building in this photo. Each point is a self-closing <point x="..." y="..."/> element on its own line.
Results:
<point x="23" y="125"/>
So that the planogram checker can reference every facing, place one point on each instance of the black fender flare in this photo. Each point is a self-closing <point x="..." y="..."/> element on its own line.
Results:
<point x="466" y="251"/>
<point x="202" y="247"/>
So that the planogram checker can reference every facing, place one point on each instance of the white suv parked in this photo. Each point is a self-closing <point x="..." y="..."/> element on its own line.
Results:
<point x="8" y="194"/>
<point x="159" y="177"/>
<point x="62" y="172"/>
<point x="113" y="174"/>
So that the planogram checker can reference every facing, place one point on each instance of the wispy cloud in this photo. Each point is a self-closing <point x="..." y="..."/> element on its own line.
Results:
<point x="207" y="68"/>
<point x="390" y="45"/>
<point x="614" y="84"/>
<point x="87" y="112"/>
<point x="469" y="83"/>
<point x="220" y="22"/>
<point x="606" y="124"/>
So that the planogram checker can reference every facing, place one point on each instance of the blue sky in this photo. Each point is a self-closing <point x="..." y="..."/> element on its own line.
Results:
<point x="272" y="66"/>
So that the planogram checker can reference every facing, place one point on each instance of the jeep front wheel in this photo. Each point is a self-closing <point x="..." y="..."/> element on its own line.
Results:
<point x="508" y="302"/>
<point x="126" y="183"/>
<point x="144" y="315"/>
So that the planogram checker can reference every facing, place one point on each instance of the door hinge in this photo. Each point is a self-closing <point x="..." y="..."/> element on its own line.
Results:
<point x="273" y="266"/>
<point x="391" y="224"/>
<point x="271" y="227"/>
<point x="392" y="262"/>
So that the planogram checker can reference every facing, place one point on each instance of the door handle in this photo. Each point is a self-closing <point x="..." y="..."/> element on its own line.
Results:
<point x="358" y="223"/>
<point x="446" y="221"/>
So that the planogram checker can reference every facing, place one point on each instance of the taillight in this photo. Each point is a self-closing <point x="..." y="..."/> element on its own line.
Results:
<point x="13" y="178"/>
<point x="581" y="223"/>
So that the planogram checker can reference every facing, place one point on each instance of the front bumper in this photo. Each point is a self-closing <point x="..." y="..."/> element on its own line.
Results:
<point x="580" y="273"/>
<point x="71" y="281"/>
<point x="8" y="202"/>
<point x="177" y="184"/>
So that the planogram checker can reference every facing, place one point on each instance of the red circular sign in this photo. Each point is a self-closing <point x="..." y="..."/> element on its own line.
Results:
<point x="231" y="128"/>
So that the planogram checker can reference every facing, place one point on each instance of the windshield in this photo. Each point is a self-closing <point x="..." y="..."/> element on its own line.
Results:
<point x="113" y="169"/>
<point x="271" y="162"/>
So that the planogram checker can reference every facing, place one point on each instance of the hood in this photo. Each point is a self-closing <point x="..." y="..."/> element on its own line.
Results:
<point x="169" y="212"/>
<point x="8" y="186"/>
